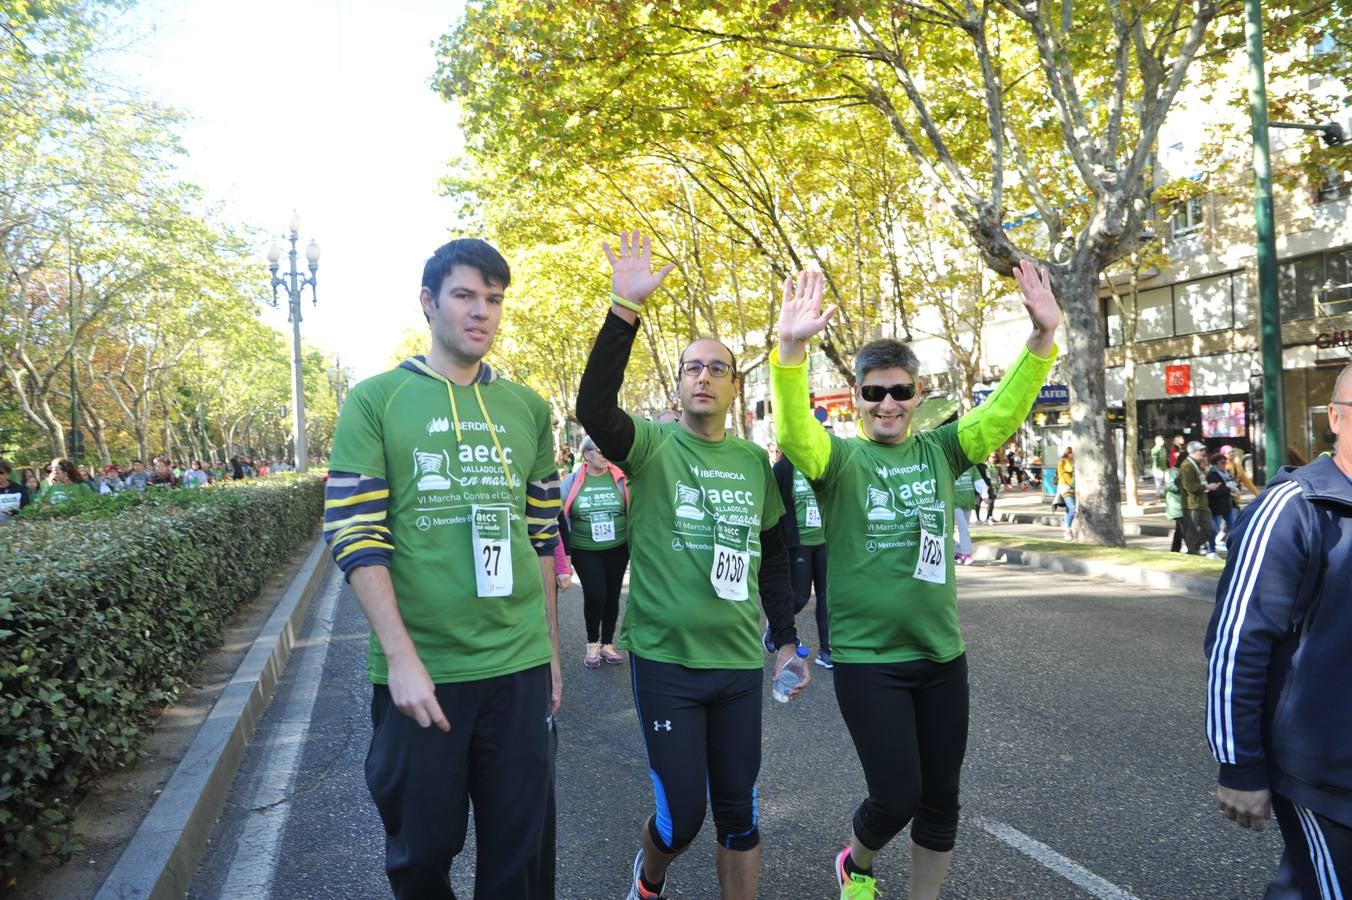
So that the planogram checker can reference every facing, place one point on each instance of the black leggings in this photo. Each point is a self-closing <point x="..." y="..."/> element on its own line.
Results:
<point x="601" y="573"/>
<point x="702" y="728"/>
<point x="1177" y="543"/>
<point x="808" y="572"/>
<point x="909" y="725"/>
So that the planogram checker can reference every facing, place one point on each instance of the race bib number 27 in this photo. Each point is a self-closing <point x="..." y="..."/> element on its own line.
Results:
<point x="492" y="550"/>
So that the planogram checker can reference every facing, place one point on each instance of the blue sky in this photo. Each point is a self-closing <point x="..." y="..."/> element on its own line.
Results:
<point x="321" y="106"/>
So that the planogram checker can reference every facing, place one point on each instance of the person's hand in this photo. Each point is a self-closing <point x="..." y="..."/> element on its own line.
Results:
<point x="802" y="316"/>
<point x="556" y="684"/>
<point x="631" y="268"/>
<point x="782" y="657"/>
<point x="1247" y="809"/>
<point x="414" y="695"/>
<point x="564" y="580"/>
<point x="1036" y="286"/>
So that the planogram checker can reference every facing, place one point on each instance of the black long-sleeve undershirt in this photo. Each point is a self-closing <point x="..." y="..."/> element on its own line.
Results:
<point x="598" y="409"/>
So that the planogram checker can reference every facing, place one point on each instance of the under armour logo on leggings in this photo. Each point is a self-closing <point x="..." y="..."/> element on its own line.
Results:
<point x="662" y="726"/>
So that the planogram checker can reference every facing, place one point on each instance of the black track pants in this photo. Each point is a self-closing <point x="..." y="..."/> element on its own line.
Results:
<point x="809" y="573"/>
<point x="1318" y="852"/>
<point x="498" y="754"/>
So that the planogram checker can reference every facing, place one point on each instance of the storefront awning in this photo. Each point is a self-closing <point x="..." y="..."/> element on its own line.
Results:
<point x="933" y="412"/>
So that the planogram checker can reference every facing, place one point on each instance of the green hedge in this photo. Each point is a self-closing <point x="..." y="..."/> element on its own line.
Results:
<point x="105" y="607"/>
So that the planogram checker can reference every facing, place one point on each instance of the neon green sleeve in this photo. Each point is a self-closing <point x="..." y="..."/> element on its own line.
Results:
<point x="989" y="425"/>
<point x="800" y="437"/>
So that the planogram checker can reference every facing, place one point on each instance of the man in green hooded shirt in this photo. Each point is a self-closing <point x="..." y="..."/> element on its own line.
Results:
<point x="900" y="661"/>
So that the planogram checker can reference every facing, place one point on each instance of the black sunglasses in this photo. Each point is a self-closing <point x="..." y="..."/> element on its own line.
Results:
<point x="874" y="393"/>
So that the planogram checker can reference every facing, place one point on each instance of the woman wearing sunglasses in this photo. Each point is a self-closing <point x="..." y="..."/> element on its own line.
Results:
<point x="900" y="661"/>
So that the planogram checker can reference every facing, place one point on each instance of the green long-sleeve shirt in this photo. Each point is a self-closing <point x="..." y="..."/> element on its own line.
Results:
<point x="890" y="543"/>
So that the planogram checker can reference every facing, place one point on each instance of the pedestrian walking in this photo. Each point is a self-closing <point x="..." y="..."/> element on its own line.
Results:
<point x="1279" y="666"/>
<point x="901" y="664"/>
<point x="1159" y="464"/>
<point x="706" y="542"/>
<point x="1065" y="488"/>
<point x="1221" y="491"/>
<point x="1177" y="453"/>
<point x="1196" y="509"/>
<point x="989" y="469"/>
<point x="441" y="509"/>
<point x="1235" y="457"/>
<point x="805" y="534"/>
<point x="964" y="498"/>
<point x="1173" y="507"/>
<point x="594" y="526"/>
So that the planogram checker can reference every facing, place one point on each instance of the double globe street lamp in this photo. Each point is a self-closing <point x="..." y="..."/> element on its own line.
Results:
<point x="295" y="283"/>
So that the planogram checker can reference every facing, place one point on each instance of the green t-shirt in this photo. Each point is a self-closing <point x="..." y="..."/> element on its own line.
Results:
<point x="597" y="518"/>
<point x="1159" y="458"/>
<point x="896" y="497"/>
<point x="811" y="533"/>
<point x="696" y="512"/>
<point x="400" y="426"/>
<point x="964" y="491"/>
<point x="56" y="492"/>
<point x="893" y="597"/>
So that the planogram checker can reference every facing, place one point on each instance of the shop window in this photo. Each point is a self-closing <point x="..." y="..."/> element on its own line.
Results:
<point x="1335" y="292"/>
<point x="1154" y="314"/>
<point x="1203" y="306"/>
<point x="1113" y="315"/>
<point x="1298" y="282"/>
<point x="1336" y="185"/>
<point x="1185" y="218"/>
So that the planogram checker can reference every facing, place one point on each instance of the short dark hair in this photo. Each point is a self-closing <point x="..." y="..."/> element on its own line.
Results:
<point x="885" y="353"/>
<point x="709" y="337"/>
<point x="471" y="252"/>
<point x="5" y="466"/>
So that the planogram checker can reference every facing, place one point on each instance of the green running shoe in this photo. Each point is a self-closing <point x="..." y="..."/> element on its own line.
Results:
<point x="854" y="886"/>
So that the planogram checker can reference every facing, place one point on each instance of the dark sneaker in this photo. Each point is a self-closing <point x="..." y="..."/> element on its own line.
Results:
<point x="765" y="640"/>
<point x="824" y="659"/>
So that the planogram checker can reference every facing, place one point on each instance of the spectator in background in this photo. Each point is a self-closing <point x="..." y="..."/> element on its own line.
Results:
<point x="1015" y="466"/>
<point x="990" y="474"/>
<point x="29" y="479"/>
<point x="1176" y="451"/>
<point x="63" y="483"/>
<point x="1238" y="472"/>
<point x="1173" y="507"/>
<point x="162" y="477"/>
<point x="108" y="481"/>
<point x="139" y="477"/>
<point x="14" y="496"/>
<point x="1222" y="488"/>
<point x="1196" y="511"/>
<point x="196" y="476"/>
<point x="1065" y="488"/>
<point x="1159" y="462"/>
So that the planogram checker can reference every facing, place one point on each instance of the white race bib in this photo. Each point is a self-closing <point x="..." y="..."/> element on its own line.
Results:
<point x="492" y="550"/>
<point x="812" y="516"/>
<point x="732" y="560"/>
<point x="9" y="502"/>
<point x="930" y="564"/>
<point x="603" y="527"/>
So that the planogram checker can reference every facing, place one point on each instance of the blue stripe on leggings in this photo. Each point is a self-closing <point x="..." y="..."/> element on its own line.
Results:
<point x="663" y="817"/>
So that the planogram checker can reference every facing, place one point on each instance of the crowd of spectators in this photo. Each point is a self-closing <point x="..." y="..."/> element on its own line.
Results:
<point x="62" y="480"/>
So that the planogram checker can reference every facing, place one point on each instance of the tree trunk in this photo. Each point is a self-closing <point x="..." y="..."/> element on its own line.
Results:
<point x="1097" y="490"/>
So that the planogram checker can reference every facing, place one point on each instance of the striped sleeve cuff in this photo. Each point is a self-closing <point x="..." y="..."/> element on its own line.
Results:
<point x="542" y="514"/>
<point x="355" y="508"/>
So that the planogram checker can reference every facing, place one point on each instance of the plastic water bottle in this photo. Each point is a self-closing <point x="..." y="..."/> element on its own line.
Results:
<point x="791" y="674"/>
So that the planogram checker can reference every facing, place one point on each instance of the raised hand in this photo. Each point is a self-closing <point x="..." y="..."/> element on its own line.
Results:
<point x="1038" y="299"/>
<point x="802" y="316"/>
<point x="631" y="268"/>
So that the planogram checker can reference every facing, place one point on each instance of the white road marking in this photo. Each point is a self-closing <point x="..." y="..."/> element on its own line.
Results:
<point x="255" y="858"/>
<point x="1066" y="868"/>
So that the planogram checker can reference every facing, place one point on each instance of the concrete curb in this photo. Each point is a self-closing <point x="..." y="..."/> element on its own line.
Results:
<point x="1193" y="585"/>
<point x="1053" y="520"/>
<point x="162" y="857"/>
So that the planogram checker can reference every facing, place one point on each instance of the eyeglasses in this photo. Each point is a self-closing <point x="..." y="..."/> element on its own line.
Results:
<point x="874" y="393"/>
<point x="1340" y="403"/>
<point x="717" y="368"/>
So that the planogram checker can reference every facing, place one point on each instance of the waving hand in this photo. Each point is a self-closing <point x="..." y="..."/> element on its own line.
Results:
<point x="631" y="268"/>
<point x="802" y="316"/>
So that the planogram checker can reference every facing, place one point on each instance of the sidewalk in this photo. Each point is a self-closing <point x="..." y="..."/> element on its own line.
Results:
<point x="1027" y="514"/>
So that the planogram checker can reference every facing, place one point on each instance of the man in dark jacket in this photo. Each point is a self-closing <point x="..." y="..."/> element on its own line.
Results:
<point x="1197" y="529"/>
<point x="1278" y="645"/>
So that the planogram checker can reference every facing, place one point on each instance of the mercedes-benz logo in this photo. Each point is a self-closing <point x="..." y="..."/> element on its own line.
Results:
<point x="677" y="545"/>
<point x="423" y="523"/>
<point x="871" y="546"/>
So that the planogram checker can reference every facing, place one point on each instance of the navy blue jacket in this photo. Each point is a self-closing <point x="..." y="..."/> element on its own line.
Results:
<point x="1280" y="644"/>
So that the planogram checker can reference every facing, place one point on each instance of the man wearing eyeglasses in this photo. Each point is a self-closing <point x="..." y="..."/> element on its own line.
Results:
<point x="900" y="661"/>
<point x="706" y="543"/>
<point x="1278" y="647"/>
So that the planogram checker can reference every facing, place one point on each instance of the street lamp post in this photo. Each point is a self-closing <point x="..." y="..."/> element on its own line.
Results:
<point x="295" y="283"/>
<point x="338" y="381"/>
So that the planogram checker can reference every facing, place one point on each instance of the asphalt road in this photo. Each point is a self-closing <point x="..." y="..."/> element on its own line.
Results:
<point x="1087" y="773"/>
